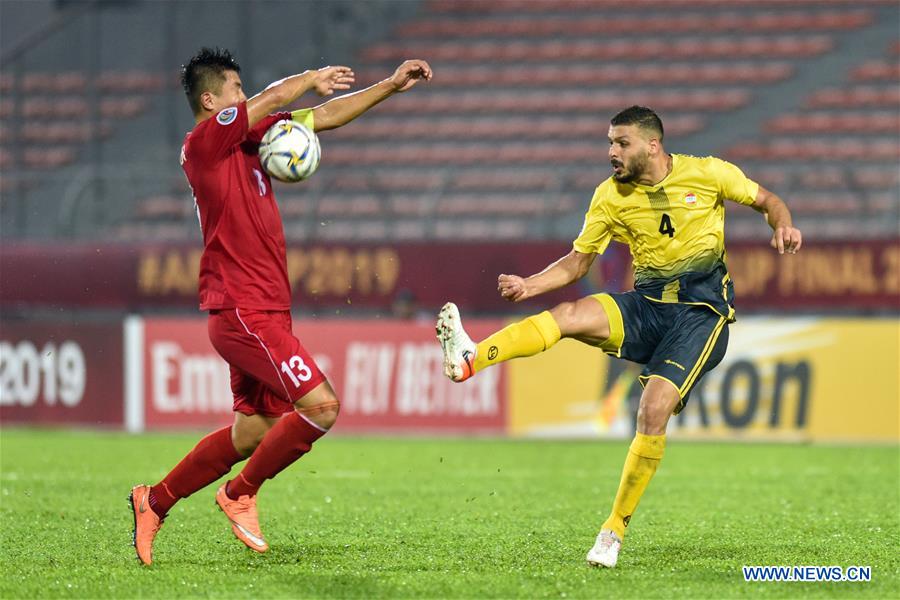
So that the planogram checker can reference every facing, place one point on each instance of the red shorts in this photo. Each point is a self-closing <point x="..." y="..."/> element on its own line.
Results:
<point x="270" y="368"/>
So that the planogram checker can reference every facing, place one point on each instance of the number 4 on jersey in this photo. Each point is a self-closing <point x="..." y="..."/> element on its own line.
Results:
<point x="297" y="370"/>
<point x="665" y="226"/>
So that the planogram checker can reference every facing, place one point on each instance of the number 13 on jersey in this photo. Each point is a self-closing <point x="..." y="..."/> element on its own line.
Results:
<point x="297" y="370"/>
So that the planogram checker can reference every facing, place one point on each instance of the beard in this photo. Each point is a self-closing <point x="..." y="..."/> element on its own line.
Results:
<point x="631" y="170"/>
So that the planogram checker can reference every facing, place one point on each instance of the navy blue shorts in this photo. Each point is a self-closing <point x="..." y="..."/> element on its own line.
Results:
<point x="675" y="342"/>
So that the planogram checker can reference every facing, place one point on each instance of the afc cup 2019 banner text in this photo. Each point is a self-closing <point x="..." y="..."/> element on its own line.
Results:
<point x="326" y="278"/>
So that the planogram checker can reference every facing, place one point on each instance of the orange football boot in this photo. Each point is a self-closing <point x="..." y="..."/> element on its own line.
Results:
<point x="146" y="523"/>
<point x="244" y="519"/>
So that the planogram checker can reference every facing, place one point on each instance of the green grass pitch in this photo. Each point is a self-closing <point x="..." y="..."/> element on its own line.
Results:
<point x="371" y="518"/>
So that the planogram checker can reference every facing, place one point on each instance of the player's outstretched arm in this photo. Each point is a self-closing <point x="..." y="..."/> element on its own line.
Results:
<point x="281" y="93"/>
<point x="341" y="111"/>
<point x="785" y="237"/>
<point x="569" y="268"/>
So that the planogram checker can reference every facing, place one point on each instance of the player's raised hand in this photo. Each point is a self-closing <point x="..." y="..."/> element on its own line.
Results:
<point x="329" y="79"/>
<point x="409" y="74"/>
<point x="512" y="287"/>
<point x="787" y="239"/>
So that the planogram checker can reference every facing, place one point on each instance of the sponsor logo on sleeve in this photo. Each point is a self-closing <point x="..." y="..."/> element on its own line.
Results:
<point x="227" y="116"/>
<point x="690" y="198"/>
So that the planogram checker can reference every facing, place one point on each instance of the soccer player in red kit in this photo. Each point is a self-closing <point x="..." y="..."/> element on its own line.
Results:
<point x="282" y="401"/>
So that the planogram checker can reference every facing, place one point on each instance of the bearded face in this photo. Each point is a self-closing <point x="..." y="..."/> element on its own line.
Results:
<point x="629" y="153"/>
<point x="628" y="169"/>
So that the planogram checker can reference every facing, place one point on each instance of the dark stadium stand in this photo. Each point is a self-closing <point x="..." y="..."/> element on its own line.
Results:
<point x="838" y="155"/>
<point x="509" y="139"/>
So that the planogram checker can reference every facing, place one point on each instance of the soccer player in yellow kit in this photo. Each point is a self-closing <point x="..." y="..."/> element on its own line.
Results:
<point x="670" y="210"/>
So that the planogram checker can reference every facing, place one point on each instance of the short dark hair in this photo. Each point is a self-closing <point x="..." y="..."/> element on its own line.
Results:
<point x="206" y="72"/>
<point x="642" y="117"/>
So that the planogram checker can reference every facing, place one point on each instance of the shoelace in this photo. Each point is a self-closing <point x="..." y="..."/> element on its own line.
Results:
<point x="607" y="541"/>
<point x="245" y="507"/>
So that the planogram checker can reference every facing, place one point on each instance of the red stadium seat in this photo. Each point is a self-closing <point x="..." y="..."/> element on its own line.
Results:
<point x="351" y="206"/>
<point x="505" y="180"/>
<point x="856" y="97"/>
<point x="65" y="82"/>
<point x="38" y="132"/>
<point x="870" y="177"/>
<point x="568" y="102"/>
<point x="872" y="121"/>
<point x="495" y="128"/>
<point x="825" y="149"/>
<point x="162" y="208"/>
<point x="736" y="47"/>
<point x="408" y="230"/>
<point x="48" y="158"/>
<point x="409" y="206"/>
<point x="770" y="177"/>
<point x="153" y="232"/>
<point x="485" y="229"/>
<point x="491" y="204"/>
<point x="293" y="207"/>
<point x="134" y="81"/>
<point x="122" y="108"/>
<point x="643" y="73"/>
<point x="599" y="25"/>
<point x="877" y="70"/>
<point x="43" y="106"/>
<point x="540" y="6"/>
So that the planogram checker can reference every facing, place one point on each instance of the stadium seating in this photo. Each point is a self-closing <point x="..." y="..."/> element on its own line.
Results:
<point x="606" y="24"/>
<point x="877" y="70"/>
<point x="722" y="47"/>
<point x="836" y="159"/>
<point x="509" y="139"/>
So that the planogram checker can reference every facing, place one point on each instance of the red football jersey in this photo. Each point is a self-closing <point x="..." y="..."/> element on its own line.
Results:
<point x="244" y="263"/>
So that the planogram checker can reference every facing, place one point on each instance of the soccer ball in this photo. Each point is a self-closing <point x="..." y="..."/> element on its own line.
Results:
<point x="289" y="151"/>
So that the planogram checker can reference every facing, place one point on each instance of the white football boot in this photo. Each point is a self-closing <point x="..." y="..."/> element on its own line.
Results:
<point x="458" y="347"/>
<point x="605" y="552"/>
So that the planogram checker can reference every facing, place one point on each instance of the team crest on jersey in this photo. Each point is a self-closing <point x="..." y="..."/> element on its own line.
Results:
<point x="227" y="116"/>
<point x="690" y="198"/>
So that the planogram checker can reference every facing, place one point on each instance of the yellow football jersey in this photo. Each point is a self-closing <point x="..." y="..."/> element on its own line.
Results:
<point x="675" y="229"/>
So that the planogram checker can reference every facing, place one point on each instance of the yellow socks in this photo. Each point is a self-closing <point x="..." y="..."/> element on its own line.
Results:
<point x="525" y="338"/>
<point x="643" y="457"/>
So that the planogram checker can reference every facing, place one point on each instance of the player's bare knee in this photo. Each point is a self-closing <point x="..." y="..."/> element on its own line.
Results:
<point x="652" y="419"/>
<point x="329" y="414"/>
<point x="565" y="315"/>
<point x="324" y="412"/>
<point x="657" y="403"/>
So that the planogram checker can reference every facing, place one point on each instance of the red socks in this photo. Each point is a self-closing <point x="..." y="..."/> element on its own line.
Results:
<point x="214" y="455"/>
<point x="288" y="440"/>
<point x="211" y="458"/>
